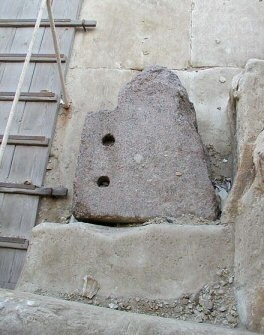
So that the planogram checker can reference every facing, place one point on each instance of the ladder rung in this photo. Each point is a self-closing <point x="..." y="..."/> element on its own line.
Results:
<point x="30" y="96"/>
<point x="13" y="243"/>
<point x="36" y="58"/>
<point x="41" y="141"/>
<point x="30" y="189"/>
<point x="23" y="23"/>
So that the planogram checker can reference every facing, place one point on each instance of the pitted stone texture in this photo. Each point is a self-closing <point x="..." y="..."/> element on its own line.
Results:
<point x="156" y="165"/>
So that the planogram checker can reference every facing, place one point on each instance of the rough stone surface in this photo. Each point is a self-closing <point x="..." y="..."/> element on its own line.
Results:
<point x="30" y="314"/>
<point x="246" y="204"/>
<point x="155" y="261"/>
<point x="102" y="87"/>
<point x="208" y="94"/>
<point x="155" y="165"/>
<point x="226" y="33"/>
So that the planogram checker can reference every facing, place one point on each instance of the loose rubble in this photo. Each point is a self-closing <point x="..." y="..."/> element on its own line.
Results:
<point x="214" y="304"/>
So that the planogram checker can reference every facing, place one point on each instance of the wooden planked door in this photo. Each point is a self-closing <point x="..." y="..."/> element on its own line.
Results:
<point x="27" y="164"/>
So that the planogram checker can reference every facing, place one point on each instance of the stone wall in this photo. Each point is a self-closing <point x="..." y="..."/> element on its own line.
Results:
<point x="245" y="205"/>
<point x="205" y="42"/>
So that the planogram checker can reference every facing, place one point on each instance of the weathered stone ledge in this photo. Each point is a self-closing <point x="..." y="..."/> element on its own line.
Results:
<point x="30" y="314"/>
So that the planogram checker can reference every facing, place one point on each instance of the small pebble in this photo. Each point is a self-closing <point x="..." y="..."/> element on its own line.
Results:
<point x="222" y="309"/>
<point x="223" y="283"/>
<point x="222" y="79"/>
<point x="185" y="301"/>
<point x="113" y="306"/>
<point x="32" y="303"/>
<point x="231" y="280"/>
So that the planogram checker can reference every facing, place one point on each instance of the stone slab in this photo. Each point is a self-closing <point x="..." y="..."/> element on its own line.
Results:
<point x="134" y="34"/>
<point x="226" y="33"/>
<point x="156" y="261"/>
<point x="30" y="314"/>
<point x="145" y="158"/>
<point x="102" y="87"/>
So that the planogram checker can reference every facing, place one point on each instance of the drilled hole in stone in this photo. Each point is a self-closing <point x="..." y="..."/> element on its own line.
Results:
<point x="108" y="140"/>
<point x="103" y="181"/>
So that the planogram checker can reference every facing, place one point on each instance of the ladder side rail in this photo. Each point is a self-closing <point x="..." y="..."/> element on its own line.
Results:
<point x="66" y="102"/>
<point x="20" y="83"/>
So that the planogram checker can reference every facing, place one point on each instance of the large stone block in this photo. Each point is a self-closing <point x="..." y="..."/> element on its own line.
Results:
<point x="132" y="34"/>
<point x="226" y="33"/>
<point x="145" y="158"/>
